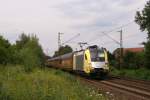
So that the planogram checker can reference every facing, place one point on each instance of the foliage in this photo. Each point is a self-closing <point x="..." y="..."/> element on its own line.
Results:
<point x="27" y="51"/>
<point x="63" y="50"/>
<point x="143" y="19"/>
<point x="147" y="54"/>
<point x="140" y="59"/>
<point x="111" y="58"/>
<point x="133" y="60"/>
<point x="141" y="73"/>
<point x="129" y="60"/>
<point x="43" y="84"/>
<point x="23" y="39"/>
<point x="5" y="51"/>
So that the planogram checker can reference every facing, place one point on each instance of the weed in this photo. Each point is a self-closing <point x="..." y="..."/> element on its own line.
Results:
<point x="42" y="84"/>
<point x="133" y="73"/>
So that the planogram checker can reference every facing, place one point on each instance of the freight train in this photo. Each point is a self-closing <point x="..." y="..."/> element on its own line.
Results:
<point x="91" y="61"/>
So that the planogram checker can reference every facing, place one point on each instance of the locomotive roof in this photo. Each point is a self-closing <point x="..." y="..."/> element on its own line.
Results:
<point x="65" y="56"/>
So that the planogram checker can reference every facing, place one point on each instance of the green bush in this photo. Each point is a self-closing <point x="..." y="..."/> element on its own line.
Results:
<point x="31" y="54"/>
<point x="133" y="60"/>
<point x="141" y="73"/>
<point x="29" y="59"/>
<point x="147" y="54"/>
<point x="63" y="50"/>
<point x="5" y="51"/>
<point x="27" y="51"/>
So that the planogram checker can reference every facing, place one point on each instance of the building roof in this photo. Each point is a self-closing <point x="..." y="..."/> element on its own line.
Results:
<point x="139" y="49"/>
<point x="135" y="50"/>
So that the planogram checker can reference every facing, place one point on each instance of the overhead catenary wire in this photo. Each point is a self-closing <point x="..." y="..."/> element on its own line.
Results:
<point x="117" y="28"/>
<point x="111" y="38"/>
<point x="106" y="34"/>
<point x="71" y="39"/>
<point x="105" y="43"/>
<point x="112" y="30"/>
<point x="102" y="35"/>
<point x="125" y="38"/>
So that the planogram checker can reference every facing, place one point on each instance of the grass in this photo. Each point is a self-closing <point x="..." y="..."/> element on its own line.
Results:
<point x="42" y="84"/>
<point x="132" y="73"/>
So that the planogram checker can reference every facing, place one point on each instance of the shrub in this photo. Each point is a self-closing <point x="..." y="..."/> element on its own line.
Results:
<point x="27" y="51"/>
<point x="133" y="60"/>
<point x="5" y="51"/>
<point x="141" y="73"/>
<point x="31" y="54"/>
<point x="147" y="54"/>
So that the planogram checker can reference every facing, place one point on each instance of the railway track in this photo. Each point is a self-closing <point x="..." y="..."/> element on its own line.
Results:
<point x="122" y="89"/>
<point x="130" y="79"/>
<point x="132" y="83"/>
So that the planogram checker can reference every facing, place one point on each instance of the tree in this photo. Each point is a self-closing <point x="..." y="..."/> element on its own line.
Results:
<point x="139" y="59"/>
<point x="143" y="19"/>
<point x="5" y="51"/>
<point x="29" y="52"/>
<point x="23" y="39"/>
<point x="63" y="50"/>
<point x="129" y="60"/>
<point x="111" y="58"/>
<point x="147" y="54"/>
<point x="133" y="60"/>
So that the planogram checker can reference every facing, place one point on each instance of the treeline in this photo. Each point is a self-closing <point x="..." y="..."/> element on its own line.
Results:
<point x="131" y="60"/>
<point x="63" y="50"/>
<point x="26" y="51"/>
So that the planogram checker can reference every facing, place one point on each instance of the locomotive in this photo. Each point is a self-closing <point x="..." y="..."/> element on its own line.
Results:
<point x="91" y="61"/>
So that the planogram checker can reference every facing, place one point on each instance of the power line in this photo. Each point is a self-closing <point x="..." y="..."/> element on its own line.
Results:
<point x="106" y="34"/>
<point x="71" y="39"/>
<point x="125" y="38"/>
<point x="105" y="43"/>
<point x="111" y="38"/>
<point x="112" y="30"/>
<point x="120" y="27"/>
<point x="95" y="38"/>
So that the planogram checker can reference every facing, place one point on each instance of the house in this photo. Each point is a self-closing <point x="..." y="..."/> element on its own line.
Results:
<point x="134" y="50"/>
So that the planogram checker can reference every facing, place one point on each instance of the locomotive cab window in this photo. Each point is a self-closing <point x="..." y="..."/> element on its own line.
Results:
<point x="101" y="55"/>
<point x="97" y="54"/>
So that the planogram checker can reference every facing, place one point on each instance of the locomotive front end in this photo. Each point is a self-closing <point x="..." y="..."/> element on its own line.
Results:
<point x="98" y="61"/>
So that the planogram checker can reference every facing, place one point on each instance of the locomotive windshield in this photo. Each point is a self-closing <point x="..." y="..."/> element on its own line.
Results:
<point x="97" y="54"/>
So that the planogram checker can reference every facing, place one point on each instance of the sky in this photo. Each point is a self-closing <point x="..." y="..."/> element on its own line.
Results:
<point x="88" y="18"/>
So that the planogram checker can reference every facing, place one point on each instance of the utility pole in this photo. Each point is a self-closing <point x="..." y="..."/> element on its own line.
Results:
<point x="121" y="46"/>
<point x="121" y="50"/>
<point x="59" y="40"/>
